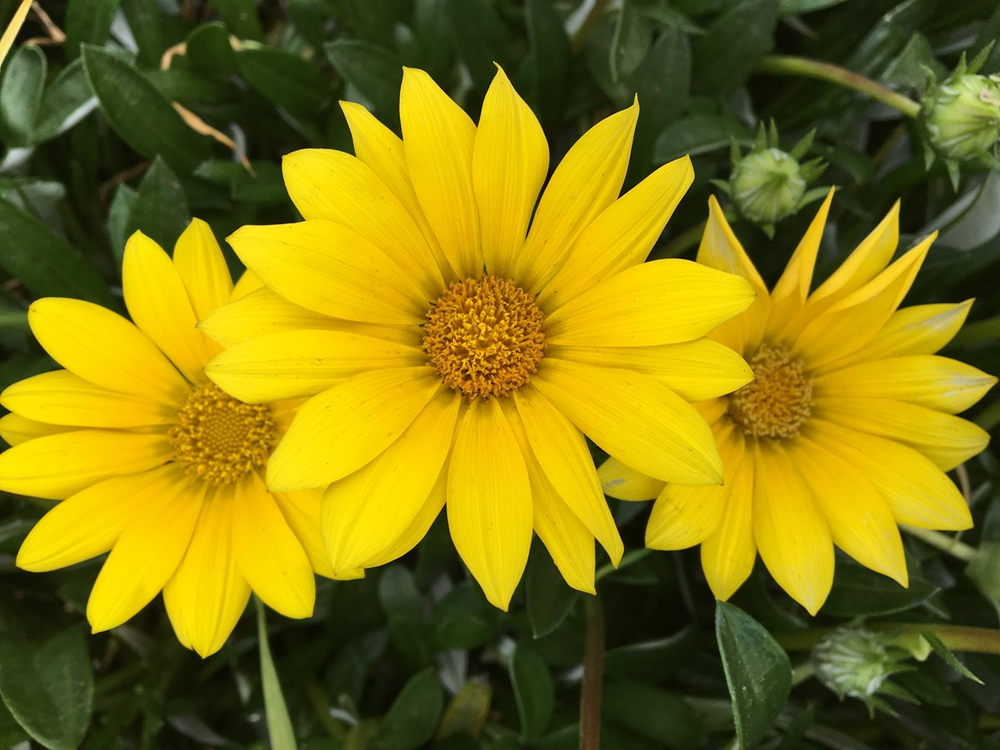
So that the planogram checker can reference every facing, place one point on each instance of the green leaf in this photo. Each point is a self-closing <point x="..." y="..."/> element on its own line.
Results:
<point x="630" y="42"/>
<point x="374" y="71"/>
<point x="463" y="619"/>
<point x="551" y="59"/>
<point x="984" y="570"/>
<point x="698" y="134"/>
<point x="21" y="94"/>
<point x="859" y="592"/>
<point x="44" y="262"/>
<point x="118" y="220"/>
<point x="758" y="672"/>
<point x="11" y="732"/>
<point x="48" y="687"/>
<point x="549" y="599"/>
<point x="468" y="710"/>
<point x="653" y="713"/>
<point x="88" y="22"/>
<point x="160" y="210"/>
<point x="413" y="716"/>
<point x="884" y="41"/>
<point x="66" y="101"/>
<point x="143" y="118"/>
<point x="404" y="609"/>
<point x="534" y="690"/>
<point x="279" y="726"/>
<point x="143" y="18"/>
<point x="796" y="7"/>
<point x="479" y="36"/>
<point x="733" y="45"/>
<point x="209" y="50"/>
<point x="949" y="658"/>
<point x="284" y="79"/>
<point x="651" y="660"/>
<point x="241" y="17"/>
<point x="433" y="30"/>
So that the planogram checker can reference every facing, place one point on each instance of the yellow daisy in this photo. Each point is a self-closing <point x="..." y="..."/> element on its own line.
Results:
<point x="152" y="461"/>
<point x="847" y="430"/>
<point x="455" y="355"/>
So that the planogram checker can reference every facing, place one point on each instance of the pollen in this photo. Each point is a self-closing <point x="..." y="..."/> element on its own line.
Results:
<point x="485" y="337"/>
<point x="219" y="438"/>
<point x="778" y="402"/>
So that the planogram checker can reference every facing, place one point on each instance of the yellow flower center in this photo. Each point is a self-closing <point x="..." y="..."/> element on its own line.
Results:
<point x="778" y="402"/>
<point x="220" y="438"/>
<point x="485" y="337"/>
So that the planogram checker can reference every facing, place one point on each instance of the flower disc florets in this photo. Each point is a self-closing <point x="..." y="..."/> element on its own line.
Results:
<point x="779" y="400"/>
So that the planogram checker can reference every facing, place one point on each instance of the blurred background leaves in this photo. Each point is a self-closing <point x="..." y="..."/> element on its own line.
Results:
<point x="117" y="115"/>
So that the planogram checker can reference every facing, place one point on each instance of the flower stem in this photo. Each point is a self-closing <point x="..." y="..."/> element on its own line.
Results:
<point x="943" y="542"/>
<point x="593" y="674"/>
<point x="824" y="71"/>
<point x="955" y="637"/>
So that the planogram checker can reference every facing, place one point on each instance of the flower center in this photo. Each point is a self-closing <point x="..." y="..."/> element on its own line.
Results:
<point x="484" y="337"/>
<point x="778" y="402"/>
<point x="220" y="438"/>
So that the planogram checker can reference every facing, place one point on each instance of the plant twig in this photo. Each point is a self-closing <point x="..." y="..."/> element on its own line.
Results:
<point x="943" y="542"/>
<point x="593" y="675"/>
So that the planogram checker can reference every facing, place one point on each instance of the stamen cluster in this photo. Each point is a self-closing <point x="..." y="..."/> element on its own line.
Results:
<point x="778" y="402"/>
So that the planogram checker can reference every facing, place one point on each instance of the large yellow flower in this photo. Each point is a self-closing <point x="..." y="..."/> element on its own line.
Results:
<point x="452" y="355"/>
<point x="847" y="430"/>
<point x="152" y="461"/>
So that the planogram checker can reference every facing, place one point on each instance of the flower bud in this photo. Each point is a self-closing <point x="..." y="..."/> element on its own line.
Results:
<point x="767" y="186"/>
<point x="962" y="117"/>
<point x="857" y="663"/>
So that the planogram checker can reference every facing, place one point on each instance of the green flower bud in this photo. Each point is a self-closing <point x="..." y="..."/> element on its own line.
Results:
<point x="767" y="186"/>
<point x="962" y="117"/>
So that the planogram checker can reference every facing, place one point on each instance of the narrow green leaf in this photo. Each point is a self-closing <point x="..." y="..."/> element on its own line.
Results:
<point x="374" y="71"/>
<point x="653" y="713"/>
<point x="463" y="619"/>
<point x="795" y="7"/>
<point x="733" y="44"/>
<point x="549" y="599"/>
<point x="44" y="262"/>
<point x="859" y="592"/>
<point x="118" y="219"/>
<point x="88" y="22"/>
<point x="630" y="43"/>
<point x="433" y="30"/>
<point x="209" y="50"/>
<point x="468" y="710"/>
<point x="413" y="717"/>
<point x="403" y="607"/>
<point x="949" y="658"/>
<point x="160" y="210"/>
<point x="284" y="79"/>
<point x="758" y="672"/>
<point x="143" y="18"/>
<point x="279" y="726"/>
<point x="48" y="687"/>
<point x="534" y="690"/>
<point x="479" y="36"/>
<point x="143" y="118"/>
<point x="551" y="59"/>
<point x="66" y="101"/>
<point x="241" y="17"/>
<point x="21" y="94"/>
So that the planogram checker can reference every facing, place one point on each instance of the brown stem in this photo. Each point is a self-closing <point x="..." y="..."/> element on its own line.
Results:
<point x="593" y="674"/>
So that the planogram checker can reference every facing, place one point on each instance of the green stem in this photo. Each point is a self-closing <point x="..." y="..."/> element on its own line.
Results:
<point x="824" y="71"/>
<point x="14" y="319"/>
<point x="279" y="725"/>
<point x="955" y="637"/>
<point x="943" y="542"/>
<point x="593" y="676"/>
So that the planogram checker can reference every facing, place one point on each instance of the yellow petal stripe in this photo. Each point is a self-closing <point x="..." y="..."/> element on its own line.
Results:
<point x="509" y="164"/>
<point x="489" y="501"/>
<point x="104" y="348"/>
<point x="15" y="429"/>
<point x="625" y="483"/>
<point x="439" y="139"/>
<point x="728" y="554"/>
<point x="661" y="302"/>
<point x="202" y="268"/>
<point x="419" y="526"/>
<point x="361" y="417"/>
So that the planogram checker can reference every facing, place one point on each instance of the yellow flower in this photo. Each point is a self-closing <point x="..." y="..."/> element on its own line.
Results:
<point x="453" y="355"/>
<point x="846" y="431"/>
<point x="152" y="461"/>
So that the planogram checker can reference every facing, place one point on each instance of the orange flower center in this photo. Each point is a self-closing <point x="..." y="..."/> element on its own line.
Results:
<point x="220" y="438"/>
<point x="485" y="337"/>
<point x="779" y="401"/>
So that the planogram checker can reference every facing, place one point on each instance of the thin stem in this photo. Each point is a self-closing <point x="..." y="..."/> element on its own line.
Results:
<point x="943" y="542"/>
<point x="593" y="676"/>
<point x="955" y="637"/>
<point x="824" y="71"/>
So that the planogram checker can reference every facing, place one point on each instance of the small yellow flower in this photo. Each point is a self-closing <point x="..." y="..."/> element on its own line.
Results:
<point x="152" y="461"/>
<point x="847" y="430"/>
<point x="453" y="355"/>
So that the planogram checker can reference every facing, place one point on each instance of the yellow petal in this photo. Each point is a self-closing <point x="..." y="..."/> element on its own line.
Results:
<point x="338" y="187"/>
<point x="695" y="370"/>
<point x="625" y="483"/>
<point x="439" y="138"/>
<point x="791" y="533"/>
<point x="622" y="235"/>
<point x="104" y="348"/>
<point x="917" y="492"/>
<point x="418" y="527"/>
<point x="84" y="525"/>
<point x="208" y="593"/>
<point x="202" y="267"/>
<point x="247" y="283"/>
<point x="728" y="554"/>
<point x="58" y="466"/>
<point x="635" y="419"/>
<point x="562" y="453"/>
<point x="854" y="321"/>
<point x="383" y="151"/>
<point x="62" y="398"/>
<point x="302" y="512"/>
<point x="366" y="512"/>
<point x="292" y="364"/>
<point x="330" y="269"/>
<point x="860" y="522"/>
<point x="340" y="430"/>
<point x="721" y="250"/>
<point x="789" y="295"/>
<point x="489" y="501"/>
<point x="587" y="181"/>
<point x="661" y="302"/>
<point x="935" y="382"/>
<point x="509" y="163"/>
<point x="15" y="429"/>
<point x="945" y="439"/>
<point x="148" y="551"/>
<point x="160" y="306"/>
<point x="685" y="516"/>
<point x="269" y="554"/>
